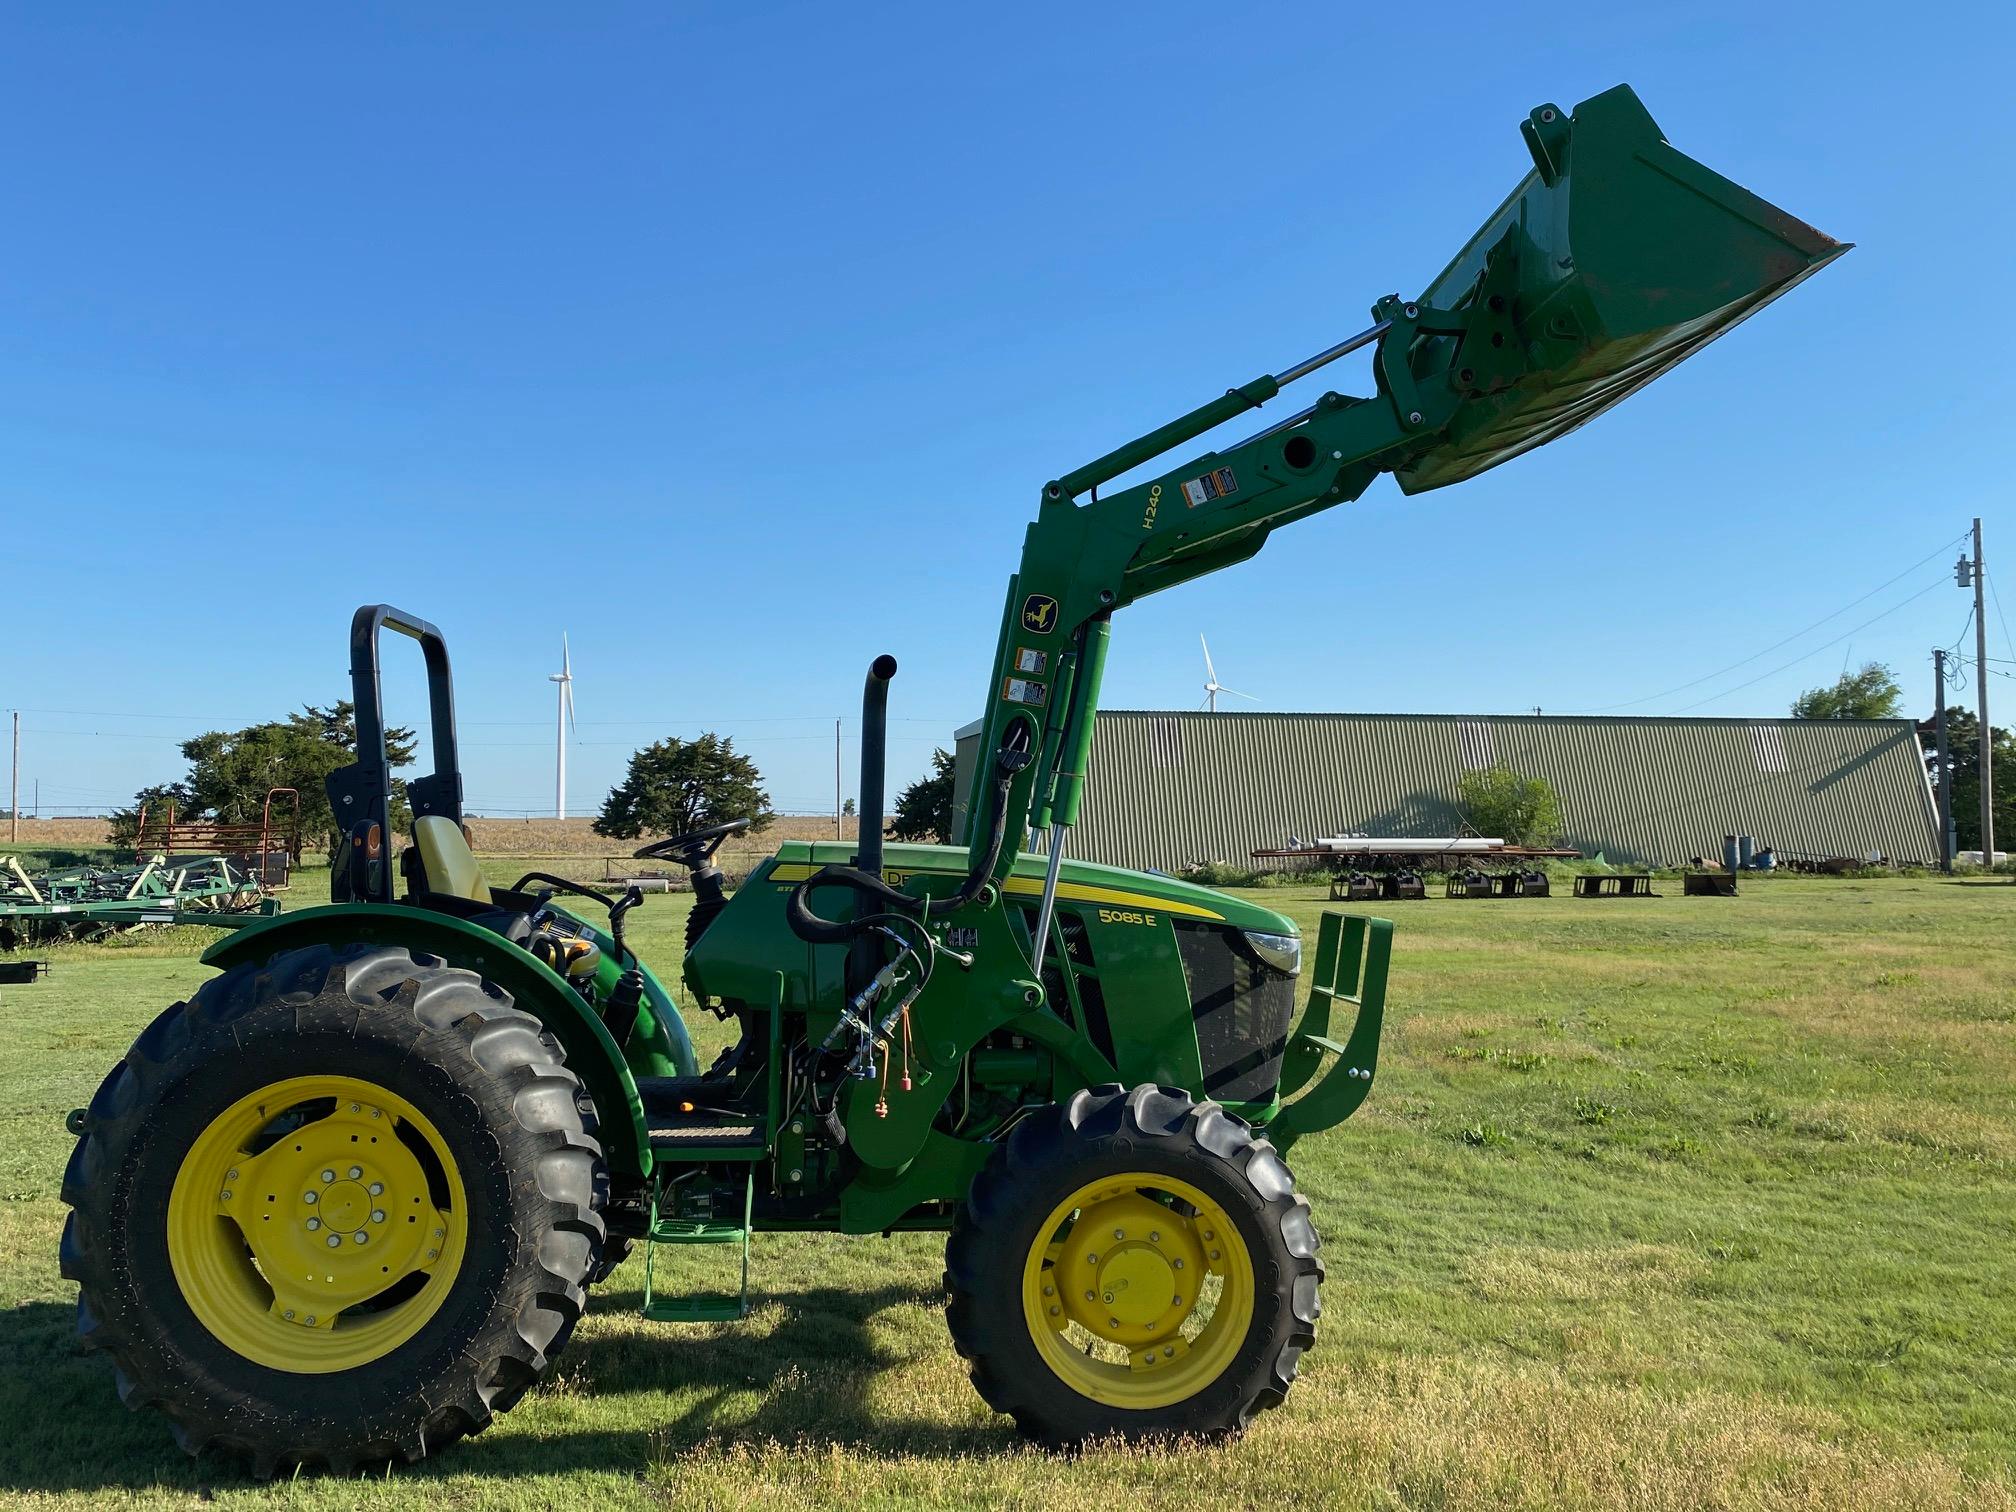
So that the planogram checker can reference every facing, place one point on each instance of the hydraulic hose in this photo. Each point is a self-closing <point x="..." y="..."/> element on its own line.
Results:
<point x="810" y="927"/>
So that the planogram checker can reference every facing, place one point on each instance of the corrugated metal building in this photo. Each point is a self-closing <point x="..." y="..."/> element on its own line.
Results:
<point x="1170" y="789"/>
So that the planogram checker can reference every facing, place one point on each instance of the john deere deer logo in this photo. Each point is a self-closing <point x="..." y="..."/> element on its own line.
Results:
<point x="1039" y="614"/>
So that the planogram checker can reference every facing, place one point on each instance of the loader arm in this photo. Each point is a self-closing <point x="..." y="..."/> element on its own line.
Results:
<point x="1614" y="259"/>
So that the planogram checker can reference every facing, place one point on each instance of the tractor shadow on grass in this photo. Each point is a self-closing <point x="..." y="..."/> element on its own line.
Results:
<point x="803" y="1367"/>
<point x="65" y="1429"/>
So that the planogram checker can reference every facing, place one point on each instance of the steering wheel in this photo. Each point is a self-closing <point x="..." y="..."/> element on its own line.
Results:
<point x="693" y="850"/>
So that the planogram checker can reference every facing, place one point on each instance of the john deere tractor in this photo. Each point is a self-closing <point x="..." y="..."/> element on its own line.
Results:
<point x="346" y="1203"/>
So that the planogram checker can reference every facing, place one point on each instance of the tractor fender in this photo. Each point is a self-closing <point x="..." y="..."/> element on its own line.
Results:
<point x="592" y="1052"/>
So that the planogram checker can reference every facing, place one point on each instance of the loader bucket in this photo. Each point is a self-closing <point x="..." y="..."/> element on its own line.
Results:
<point x="1626" y="257"/>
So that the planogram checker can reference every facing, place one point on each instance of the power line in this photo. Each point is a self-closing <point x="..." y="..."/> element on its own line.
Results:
<point x="104" y="734"/>
<point x="1816" y="650"/>
<point x="1775" y="645"/>
<point x="2008" y="642"/>
<point x="1968" y="661"/>
<point x="111" y="714"/>
<point x="1965" y="625"/>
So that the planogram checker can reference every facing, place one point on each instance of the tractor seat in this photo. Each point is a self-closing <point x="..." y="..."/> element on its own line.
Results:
<point x="442" y="874"/>
<point x="443" y="861"/>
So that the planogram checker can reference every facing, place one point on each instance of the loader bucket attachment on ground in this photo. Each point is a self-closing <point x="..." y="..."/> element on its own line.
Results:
<point x="1616" y="258"/>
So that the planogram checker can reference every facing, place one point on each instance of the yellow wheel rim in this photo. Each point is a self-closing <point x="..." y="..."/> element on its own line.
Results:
<point x="1138" y="1290"/>
<point x="316" y="1224"/>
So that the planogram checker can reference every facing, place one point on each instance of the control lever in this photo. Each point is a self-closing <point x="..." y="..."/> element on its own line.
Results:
<point x="626" y="998"/>
<point x="632" y="896"/>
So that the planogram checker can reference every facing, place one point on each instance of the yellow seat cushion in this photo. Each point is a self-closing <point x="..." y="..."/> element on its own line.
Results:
<point x="450" y="866"/>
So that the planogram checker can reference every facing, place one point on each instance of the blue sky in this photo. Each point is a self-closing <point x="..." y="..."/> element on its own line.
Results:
<point x="736" y="340"/>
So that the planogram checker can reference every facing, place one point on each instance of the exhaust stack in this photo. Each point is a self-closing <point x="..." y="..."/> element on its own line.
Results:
<point x="874" y="761"/>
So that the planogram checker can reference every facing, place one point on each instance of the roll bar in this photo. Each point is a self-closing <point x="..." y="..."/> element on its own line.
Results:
<point x="360" y="795"/>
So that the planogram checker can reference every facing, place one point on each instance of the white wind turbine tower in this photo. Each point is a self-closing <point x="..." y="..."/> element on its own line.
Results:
<point x="562" y="719"/>
<point x="1213" y="687"/>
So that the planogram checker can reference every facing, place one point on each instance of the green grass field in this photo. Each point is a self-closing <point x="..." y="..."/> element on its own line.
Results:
<point x="1678" y="1203"/>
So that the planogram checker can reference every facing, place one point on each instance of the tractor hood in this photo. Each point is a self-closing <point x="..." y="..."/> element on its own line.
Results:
<point x="1082" y="881"/>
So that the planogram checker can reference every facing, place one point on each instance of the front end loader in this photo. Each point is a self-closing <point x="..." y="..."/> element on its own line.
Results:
<point x="346" y="1203"/>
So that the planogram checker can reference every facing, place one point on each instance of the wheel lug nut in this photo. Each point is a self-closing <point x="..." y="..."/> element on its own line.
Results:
<point x="1049" y="1291"/>
<point x="433" y="1254"/>
<point x="1091" y="1296"/>
<point x="290" y="1315"/>
<point x="227" y="1194"/>
<point x="1179" y="1264"/>
<point x="335" y="1240"/>
<point x="308" y="1196"/>
<point x="356" y="1108"/>
<point x="378" y="1216"/>
<point x="231" y="1175"/>
<point x="328" y="1176"/>
<point x="376" y="1189"/>
<point x="314" y="1224"/>
<point x="1168" y="1351"/>
<point x="1055" y="1311"/>
<point x="1119" y="1233"/>
<point x="355" y="1172"/>
<point x="1091" y="1259"/>
<point x="1154" y="1238"/>
<point x="311" y="1320"/>
<point x="1112" y="1322"/>
<point x="438" y="1233"/>
<point x="1216" y="1256"/>
<point x="361" y="1237"/>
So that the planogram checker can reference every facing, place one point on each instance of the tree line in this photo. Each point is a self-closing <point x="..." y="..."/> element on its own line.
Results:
<point x="669" y="787"/>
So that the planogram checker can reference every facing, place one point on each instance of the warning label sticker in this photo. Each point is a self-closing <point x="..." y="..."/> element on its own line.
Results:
<point x="1022" y="691"/>
<point x="1213" y="485"/>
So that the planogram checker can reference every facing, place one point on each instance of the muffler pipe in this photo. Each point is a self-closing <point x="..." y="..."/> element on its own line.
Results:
<point x="874" y="762"/>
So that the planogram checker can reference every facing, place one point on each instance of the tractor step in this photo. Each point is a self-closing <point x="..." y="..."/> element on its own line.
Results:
<point x="695" y="1231"/>
<point x="689" y="1122"/>
<point x="707" y="1136"/>
<point x="679" y="1231"/>
<point x="698" y="1310"/>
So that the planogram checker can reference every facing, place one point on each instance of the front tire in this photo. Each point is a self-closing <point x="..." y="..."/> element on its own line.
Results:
<point x="1133" y="1264"/>
<point x="337" y="1209"/>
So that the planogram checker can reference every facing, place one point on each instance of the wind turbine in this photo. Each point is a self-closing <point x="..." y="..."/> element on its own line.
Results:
<point x="563" y="718"/>
<point x="1213" y="687"/>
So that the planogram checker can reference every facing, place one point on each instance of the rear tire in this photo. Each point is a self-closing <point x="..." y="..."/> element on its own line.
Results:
<point x="1076" y="1272"/>
<point x="346" y="1042"/>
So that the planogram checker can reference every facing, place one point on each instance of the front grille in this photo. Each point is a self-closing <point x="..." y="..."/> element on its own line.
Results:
<point x="1242" y="1008"/>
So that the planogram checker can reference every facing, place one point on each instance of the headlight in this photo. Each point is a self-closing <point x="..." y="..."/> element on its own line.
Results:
<point x="1281" y="951"/>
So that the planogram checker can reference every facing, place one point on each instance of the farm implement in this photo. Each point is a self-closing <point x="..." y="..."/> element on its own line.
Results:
<point x="263" y="849"/>
<point x="347" y="1203"/>
<point x="87" y="902"/>
<point x="217" y="872"/>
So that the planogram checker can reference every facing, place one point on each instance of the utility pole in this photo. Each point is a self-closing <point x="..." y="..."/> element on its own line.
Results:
<point x="1966" y="573"/>
<point x="839" y="827"/>
<point x="1945" y="762"/>
<point x="14" y="799"/>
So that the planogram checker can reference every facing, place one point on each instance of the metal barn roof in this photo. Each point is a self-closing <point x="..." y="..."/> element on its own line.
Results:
<point x="1169" y="789"/>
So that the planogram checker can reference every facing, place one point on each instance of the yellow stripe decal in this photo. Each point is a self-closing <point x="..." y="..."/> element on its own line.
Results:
<point x="1077" y="892"/>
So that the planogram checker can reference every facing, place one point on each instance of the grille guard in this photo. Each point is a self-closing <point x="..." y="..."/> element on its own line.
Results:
<point x="1353" y="954"/>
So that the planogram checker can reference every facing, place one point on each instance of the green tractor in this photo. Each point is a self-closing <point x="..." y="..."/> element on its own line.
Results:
<point x="346" y="1204"/>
